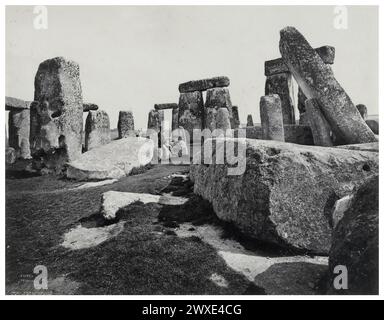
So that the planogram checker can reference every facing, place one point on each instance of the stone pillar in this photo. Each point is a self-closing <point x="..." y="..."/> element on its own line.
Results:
<point x="97" y="129"/>
<point x="210" y="118"/>
<point x="249" y="121"/>
<point x="317" y="81"/>
<point x="362" y="110"/>
<point x="18" y="132"/>
<point x="271" y="118"/>
<point x="191" y="111"/>
<point x="155" y="120"/>
<point x="321" y="131"/>
<point x="235" y="121"/>
<point x="175" y="118"/>
<point x="219" y="98"/>
<point x="223" y="121"/>
<point x="281" y="84"/>
<point x="57" y="115"/>
<point x="126" y="124"/>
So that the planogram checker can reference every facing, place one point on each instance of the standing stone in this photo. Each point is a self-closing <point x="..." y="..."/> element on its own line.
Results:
<point x="317" y="81"/>
<point x="362" y="110"/>
<point x="10" y="155"/>
<point x="204" y="84"/>
<point x="175" y="117"/>
<point x="235" y="121"/>
<point x="57" y="115"/>
<point x="223" y="121"/>
<point x="18" y="132"/>
<point x="373" y="125"/>
<point x="210" y="118"/>
<point x="281" y="84"/>
<point x="126" y="124"/>
<point x="191" y="107"/>
<point x="321" y="131"/>
<point x="155" y="119"/>
<point x="250" y="121"/>
<point x="219" y="98"/>
<point x="97" y="129"/>
<point x="271" y="118"/>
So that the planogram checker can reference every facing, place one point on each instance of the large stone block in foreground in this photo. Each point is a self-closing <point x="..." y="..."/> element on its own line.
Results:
<point x="287" y="191"/>
<point x="97" y="129"/>
<point x="113" y="160"/>
<point x="317" y="81"/>
<point x="204" y="84"/>
<point x="57" y="114"/>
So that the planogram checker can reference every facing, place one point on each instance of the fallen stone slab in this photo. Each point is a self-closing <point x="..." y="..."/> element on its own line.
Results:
<point x="276" y="66"/>
<point x="15" y="103"/>
<point x="317" y="81"/>
<point x="113" y="160"/>
<point x="355" y="243"/>
<point x="90" y="106"/>
<point x="164" y="106"/>
<point x="287" y="192"/>
<point x="112" y="201"/>
<point x="204" y="84"/>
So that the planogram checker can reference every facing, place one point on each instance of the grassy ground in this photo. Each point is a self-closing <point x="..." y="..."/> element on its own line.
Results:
<point x="145" y="258"/>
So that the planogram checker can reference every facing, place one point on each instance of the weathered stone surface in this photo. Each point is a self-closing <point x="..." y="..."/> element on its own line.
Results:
<point x="18" y="132"/>
<point x="155" y="120"/>
<point x="57" y="115"/>
<point x="175" y="118"/>
<point x="287" y="191"/>
<point x="90" y="106"/>
<point x="164" y="106"/>
<point x="210" y="118"/>
<point x="223" y="121"/>
<point x="362" y="110"/>
<point x="276" y="66"/>
<point x="321" y="131"/>
<point x="15" y="103"/>
<point x="373" y="125"/>
<point x="372" y="146"/>
<point x="281" y="84"/>
<point x="235" y="120"/>
<point x="219" y="98"/>
<point x="204" y="84"/>
<point x="249" y="121"/>
<point x="271" y="118"/>
<point x="292" y="133"/>
<point x="126" y="124"/>
<point x="97" y="129"/>
<point x="10" y="155"/>
<point x="355" y="242"/>
<point x="191" y="111"/>
<point x="317" y="81"/>
<point x="301" y="98"/>
<point x="113" y="160"/>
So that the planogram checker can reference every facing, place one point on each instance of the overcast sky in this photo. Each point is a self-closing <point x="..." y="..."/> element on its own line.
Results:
<point x="133" y="57"/>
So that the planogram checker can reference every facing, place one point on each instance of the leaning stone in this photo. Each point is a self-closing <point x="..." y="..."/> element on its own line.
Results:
<point x="57" y="115"/>
<point x="155" y="120"/>
<point x="235" y="121"/>
<point x="10" y="155"/>
<point x="281" y="84"/>
<point x="287" y="192"/>
<point x="355" y="243"/>
<point x="19" y="131"/>
<point x="276" y="66"/>
<point x="126" y="124"/>
<point x="249" y="121"/>
<point x="321" y="130"/>
<point x="97" y="129"/>
<point x="373" y="125"/>
<point x="223" y="121"/>
<point x="271" y="118"/>
<point x="204" y="84"/>
<point x="90" y="106"/>
<point x="163" y="106"/>
<point x="362" y="110"/>
<point x="317" y="81"/>
<point x="113" y="160"/>
<point x="14" y="103"/>
<point x="191" y="107"/>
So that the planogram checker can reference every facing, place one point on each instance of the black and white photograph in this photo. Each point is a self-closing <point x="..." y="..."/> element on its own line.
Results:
<point x="191" y="150"/>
